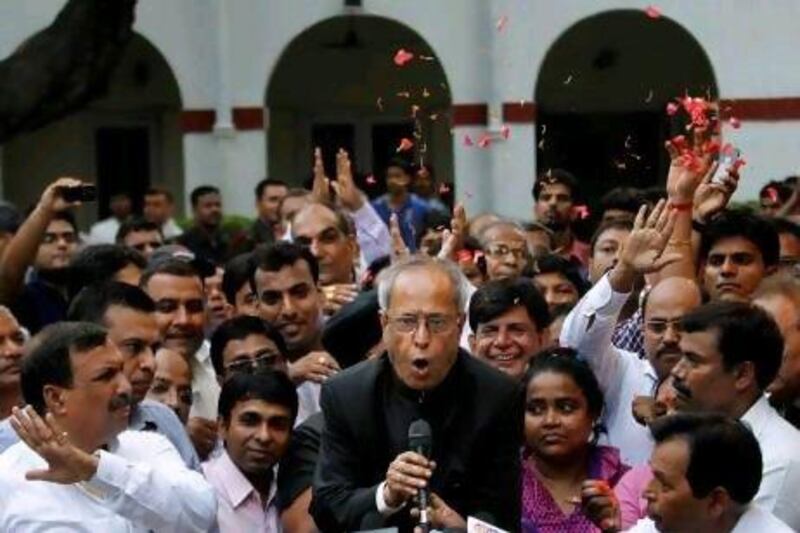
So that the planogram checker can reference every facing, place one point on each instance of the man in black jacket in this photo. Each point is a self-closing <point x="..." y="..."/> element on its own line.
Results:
<point x="366" y="477"/>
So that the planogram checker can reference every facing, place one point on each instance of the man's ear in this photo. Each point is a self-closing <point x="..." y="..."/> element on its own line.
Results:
<point x="745" y="375"/>
<point x="718" y="502"/>
<point x="55" y="399"/>
<point x="384" y="319"/>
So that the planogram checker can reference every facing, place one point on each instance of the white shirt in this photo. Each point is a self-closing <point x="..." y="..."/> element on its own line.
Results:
<point x="170" y="229"/>
<point x="141" y="485"/>
<point x="780" y="450"/>
<point x="205" y="387"/>
<point x="622" y="375"/>
<point x="754" y="520"/>
<point x="371" y="233"/>
<point x="307" y="401"/>
<point x="104" y="232"/>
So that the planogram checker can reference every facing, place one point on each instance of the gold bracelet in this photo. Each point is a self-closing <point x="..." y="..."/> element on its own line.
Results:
<point x="679" y="243"/>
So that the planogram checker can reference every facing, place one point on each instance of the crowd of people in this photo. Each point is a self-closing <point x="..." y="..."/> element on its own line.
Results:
<point x="276" y="379"/>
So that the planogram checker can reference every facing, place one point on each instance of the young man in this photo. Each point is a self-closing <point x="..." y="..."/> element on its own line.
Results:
<point x="558" y="280"/>
<point x="206" y="238"/>
<point x="267" y="227"/>
<point x="236" y="286"/>
<point x="141" y="235"/>
<point x="731" y="353"/>
<point x="105" y="262"/>
<point x="510" y="320"/>
<point x="159" y="207"/>
<point x="408" y="207"/>
<point x="553" y="195"/>
<point x="12" y="343"/>
<point x="256" y="415"/>
<point x="105" y="231"/>
<point x="737" y="251"/>
<point x="76" y="463"/>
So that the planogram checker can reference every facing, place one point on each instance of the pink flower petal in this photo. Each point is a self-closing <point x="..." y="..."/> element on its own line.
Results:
<point x="735" y="123"/>
<point x="401" y="57"/>
<point x="484" y="141"/>
<point x="444" y="188"/>
<point x="371" y="180"/>
<point x="505" y="131"/>
<point x="468" y="141"/>
<point x="672" y="108"/>
<point x="405" y="144"/>
<point x="652" y="12"/>
<point x="501" y="23"/>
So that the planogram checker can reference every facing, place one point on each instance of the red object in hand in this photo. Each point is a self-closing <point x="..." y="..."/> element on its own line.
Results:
<point x="405" y="144"/>
<point x="652" y="12"/>
<point x="401" y="57"/>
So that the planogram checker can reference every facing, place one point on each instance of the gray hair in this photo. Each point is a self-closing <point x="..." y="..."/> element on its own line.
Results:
<point x="387" y="278"/>
<point x="505" y="223"/>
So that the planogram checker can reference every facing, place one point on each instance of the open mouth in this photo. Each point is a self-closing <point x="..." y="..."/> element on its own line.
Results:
<point x="504" y="357"/>
<point x="420" y="364"/>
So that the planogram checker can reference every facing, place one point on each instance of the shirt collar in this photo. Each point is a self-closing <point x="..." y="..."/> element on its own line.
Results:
<point x="758" y="415"/>
<point x="238" y="487"/>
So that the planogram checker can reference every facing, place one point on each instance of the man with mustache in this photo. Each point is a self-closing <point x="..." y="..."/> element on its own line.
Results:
<point x="207" y="238"/>
<point x="287" y="282"/>
<point x="176" y="287"/>
<point x="553" y="196"/>
<point x="256" y="415"/>
<point x="731" y="354"/>
<point x="505" y="247"/>
<point x="737" y="251"/>
<point x="77" y="467"/>
<point x="12" y="343"/>
<point x="129" y="314"/>
<point x="624" y="375"/>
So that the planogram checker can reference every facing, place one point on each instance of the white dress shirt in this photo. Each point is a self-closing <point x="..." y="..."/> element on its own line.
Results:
<point x="622" y="375"/>
<point x="307" y="401"/>
<point x="170" y="229"/>
<point x="754" y="520"/>
<point x="371" y="233"/>
<point x="780" y="450"/>
<point x="205" y="387"/>
<point x="104" y="232"/>
<point x="140" y="485"/>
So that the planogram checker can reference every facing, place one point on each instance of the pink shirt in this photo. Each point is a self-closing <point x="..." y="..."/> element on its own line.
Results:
<point x="240" y="506"/>
<point x="629" y="493"/>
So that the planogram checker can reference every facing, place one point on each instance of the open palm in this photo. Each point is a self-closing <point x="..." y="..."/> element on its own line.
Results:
<point x="643" y="251"/>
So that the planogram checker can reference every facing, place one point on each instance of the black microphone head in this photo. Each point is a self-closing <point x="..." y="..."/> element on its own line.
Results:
<point x="420" y="437"/>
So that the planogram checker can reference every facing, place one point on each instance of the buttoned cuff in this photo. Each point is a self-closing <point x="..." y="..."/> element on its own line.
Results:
<point x="383" y="508"/>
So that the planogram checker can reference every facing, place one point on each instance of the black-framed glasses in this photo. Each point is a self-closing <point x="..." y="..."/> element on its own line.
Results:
<point x="261" y="360"/>
<point x="409" y="323"/>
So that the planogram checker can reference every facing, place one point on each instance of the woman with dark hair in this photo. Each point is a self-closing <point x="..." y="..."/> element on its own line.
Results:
<point x="563" y="405"/>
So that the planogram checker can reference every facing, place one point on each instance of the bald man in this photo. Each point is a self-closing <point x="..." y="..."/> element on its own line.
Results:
<point x="624" y="375"/>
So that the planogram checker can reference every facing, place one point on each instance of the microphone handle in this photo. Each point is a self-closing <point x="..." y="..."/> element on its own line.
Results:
<point x="423" y="500"/>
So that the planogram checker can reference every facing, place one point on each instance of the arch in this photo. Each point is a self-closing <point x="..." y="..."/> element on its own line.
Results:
<point x="354" y="96"/>
<point x="125" y="141"/>
<point x="601" y="93"/>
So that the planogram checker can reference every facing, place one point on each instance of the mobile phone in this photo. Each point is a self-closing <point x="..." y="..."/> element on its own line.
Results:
<point x="726" y="161"/>
<point x="81" y="193"/>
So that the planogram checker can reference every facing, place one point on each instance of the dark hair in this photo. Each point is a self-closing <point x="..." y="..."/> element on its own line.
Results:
<point x="160" y="191"/>
<point x="238" y="271"/>
<point x="723" y="452"/>
<point x="744" y="333"/>
<point x="201" y="191"/>
<point x="555" y="264"/>
<point x="783" y="225"/>
<point x="402" y="164"/>
<point x="628" y="199"/>
<point x="553" y="176"/>
<point x="68" y="217"/>
<point x="496" y="297"/>
<point x="173" y="267"/>
<point x="239" y="328"/>
<point x="92" y="302"/>
<point x="782" y="191"/>
<point x="101" y="262"/>
<point x="755" y="229"/>
<point x="276" y="256"/>
<point x="619" y="224"/>
<point x="134" y="225"/>
<point x="565" y="361"/>
<point x="48" y="362"/>
<point x="268" y="182"/>
<point x="432" y="220"/>
<point x="270" y="386"/>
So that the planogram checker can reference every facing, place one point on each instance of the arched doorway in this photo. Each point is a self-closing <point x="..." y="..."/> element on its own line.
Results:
<point x="337" y="85"/>
<point x="601" y="95"/>
<point x="125" y="141"/>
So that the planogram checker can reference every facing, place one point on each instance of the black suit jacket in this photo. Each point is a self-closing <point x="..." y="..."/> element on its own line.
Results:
<point x="476" y="419"/>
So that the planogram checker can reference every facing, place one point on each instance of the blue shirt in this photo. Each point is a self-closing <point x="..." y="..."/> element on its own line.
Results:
<point x="411" y="217"/>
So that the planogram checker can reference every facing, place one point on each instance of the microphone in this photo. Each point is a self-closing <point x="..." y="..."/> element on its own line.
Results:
<point x="420" y="440"/>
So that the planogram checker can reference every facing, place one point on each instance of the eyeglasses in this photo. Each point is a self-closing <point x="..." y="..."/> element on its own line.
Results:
<point x="251" y="365"/>
<point x="503" y="250"/>
<point x="410" y="323"/>
<point x="659" y="326"/>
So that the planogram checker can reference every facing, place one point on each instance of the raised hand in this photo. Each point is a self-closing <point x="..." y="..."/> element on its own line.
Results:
<point x="399" y="248"/>
<point x="350" y="196"/>
<point x="453" y="239"/>
<point x="52" y="200"/>
<point x="689" y="166"/>
<point x="320" y="188"/>
<point x="711" y="196"/>
<point x="66" y="463"/>
<point x="643" y="250"/>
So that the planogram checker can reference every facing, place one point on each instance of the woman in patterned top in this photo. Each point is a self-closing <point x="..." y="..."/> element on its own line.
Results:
<point x="563" y="405"/>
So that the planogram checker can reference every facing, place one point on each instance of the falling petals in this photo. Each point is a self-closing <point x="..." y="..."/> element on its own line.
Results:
<point x="568" y="80"/>
<point x="772" y="193"/>
<point x="735" y="123"/>
<point x="468" y="141"/>
<point x="401" y="57"/>
<point x="501" y="23"/>
<point x="672" y="108"/>
<point x="405" y="144"/>
<point x="505" y="131"/>
<point x="652" y="12"/>
<point x="425" y="93"/>
<point x="404" y="94"/>
<point x="371" y="180"/>
<point x="484" y="141"/>
<point x="414" y="110"/>
<point x="444" y="188"/>
<point x="581" y="211"/>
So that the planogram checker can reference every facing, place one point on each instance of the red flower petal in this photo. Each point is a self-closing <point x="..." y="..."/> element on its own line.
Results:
<point x="735" y="123"/>
<point x="405" y="144"/>
<point x="468" y="141"/>
<point x="501" y="23"/>
<point x="484" y="141"/>
<point x="443" y="188"/>
<point x="505" y="131"/>
<point x="672" y="108"/>
<point x="652" y="11"/>
<point x="371" y="180"/>
<point x="401" y="57"/>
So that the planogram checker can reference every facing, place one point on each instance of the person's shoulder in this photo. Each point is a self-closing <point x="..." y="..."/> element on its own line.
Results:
<point x="782" y="436"/>
<point x="361" y="373"/>
<point x="758" y="519"/>
<point x="142" y="443"/>
<point x="487" y="378"/>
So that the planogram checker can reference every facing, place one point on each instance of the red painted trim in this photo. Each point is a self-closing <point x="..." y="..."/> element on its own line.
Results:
<point x="248" y="118"/>
<point x="470" y="114"/>
<point x="519" y="112"/>
<point x="198" y="120"/>
<point x="767" y="109"/>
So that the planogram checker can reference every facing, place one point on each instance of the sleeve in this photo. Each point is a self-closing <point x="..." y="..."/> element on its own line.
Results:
<point x="339" y="502"/>
<point x="784" y="505"/>
<point x="169" y="498"/>
<point x="372" y="234"/>
<point x="629" y="493"/>
<point x="172" y="428"/>
<point x="496" y="492"/>
<point x="588" y="329"/>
